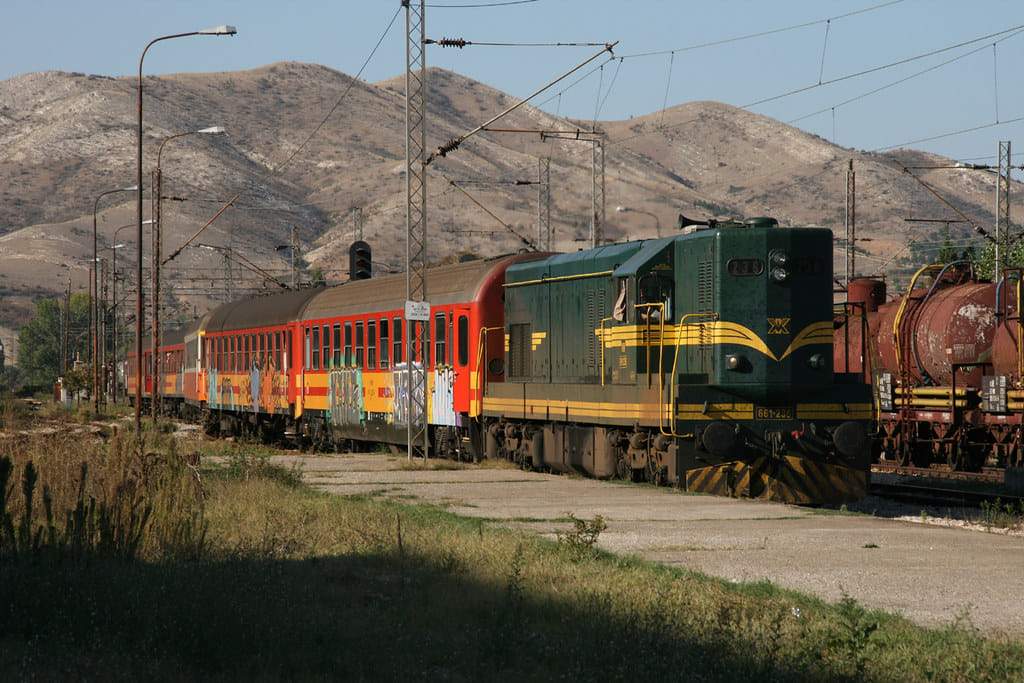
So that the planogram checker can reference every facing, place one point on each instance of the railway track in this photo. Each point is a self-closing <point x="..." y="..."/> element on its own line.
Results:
<point x="992" y="475"/>
<point x="940" y="487"/>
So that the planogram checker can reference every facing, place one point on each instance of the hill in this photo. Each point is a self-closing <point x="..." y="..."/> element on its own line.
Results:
<point x="305" y="145"/>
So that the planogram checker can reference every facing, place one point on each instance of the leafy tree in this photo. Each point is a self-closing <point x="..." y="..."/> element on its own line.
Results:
<point x="39" y="340"/>
<point x="985" y="262"/>
<point x="316" y="277"/>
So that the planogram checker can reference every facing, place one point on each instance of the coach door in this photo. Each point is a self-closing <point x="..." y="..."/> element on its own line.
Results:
<point x="462" y="355"/>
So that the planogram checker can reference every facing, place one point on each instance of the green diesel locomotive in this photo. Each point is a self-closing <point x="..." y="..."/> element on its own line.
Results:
<point x="702" y="360"/>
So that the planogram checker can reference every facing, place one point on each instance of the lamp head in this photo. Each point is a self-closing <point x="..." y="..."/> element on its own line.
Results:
<point x="218" y="31"/>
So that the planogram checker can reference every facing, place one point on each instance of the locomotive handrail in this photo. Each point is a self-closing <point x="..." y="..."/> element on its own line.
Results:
<point x="675" y="362"/>
<point x="560" y="278"/>
<point x="661" y="340"/>
<point x="603" y="341"/>
<point x="481" y="371"/>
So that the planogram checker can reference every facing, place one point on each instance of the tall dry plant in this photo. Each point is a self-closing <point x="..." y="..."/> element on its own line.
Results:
<point x="119" y="498"/>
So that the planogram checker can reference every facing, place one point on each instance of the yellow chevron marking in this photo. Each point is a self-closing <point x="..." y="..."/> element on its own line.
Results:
<point x="714" y="333"/>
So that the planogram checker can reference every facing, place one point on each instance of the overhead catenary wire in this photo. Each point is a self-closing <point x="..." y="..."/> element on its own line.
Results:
<point x="454" y="143"/>
<point x="761" y="34"/>
<point x="344" y="94"/>
<point x="881" y="67"/>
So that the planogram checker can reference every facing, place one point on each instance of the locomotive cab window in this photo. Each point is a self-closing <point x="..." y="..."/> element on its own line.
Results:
<point x="654" y="294"/>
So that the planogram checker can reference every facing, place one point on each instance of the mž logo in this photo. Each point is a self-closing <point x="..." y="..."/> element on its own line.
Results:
<point x="778" y="325"/>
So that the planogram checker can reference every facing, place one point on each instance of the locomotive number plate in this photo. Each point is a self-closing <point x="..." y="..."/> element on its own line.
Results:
<point x="773" y="413"/>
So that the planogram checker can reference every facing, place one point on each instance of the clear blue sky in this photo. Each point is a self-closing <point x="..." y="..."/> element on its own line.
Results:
<point x="702" y="52"/>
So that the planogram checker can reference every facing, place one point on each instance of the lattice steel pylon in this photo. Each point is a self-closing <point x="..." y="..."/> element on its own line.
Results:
<point x="1003" y="240"/>
<point x="597" y="191"/>
<point x="416" y="221"/>
<point x="544" y="203"/>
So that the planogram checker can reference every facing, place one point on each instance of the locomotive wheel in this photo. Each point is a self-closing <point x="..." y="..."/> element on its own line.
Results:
<point x="654" y="473"/>
<point x="623" y="470"/>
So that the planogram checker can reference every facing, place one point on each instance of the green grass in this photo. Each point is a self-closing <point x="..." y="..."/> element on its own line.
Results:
<point x="276" y="581"/>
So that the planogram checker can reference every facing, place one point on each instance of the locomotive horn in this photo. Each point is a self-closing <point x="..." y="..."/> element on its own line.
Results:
<point x="685" y="222"/>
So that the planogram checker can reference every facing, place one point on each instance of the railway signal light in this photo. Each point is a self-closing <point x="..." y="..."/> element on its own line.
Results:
<point x="360" y="261"/>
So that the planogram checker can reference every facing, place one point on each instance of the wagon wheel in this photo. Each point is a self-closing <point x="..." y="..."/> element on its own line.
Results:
<point x="954" y="456"/>
<point x="901" y="451"/>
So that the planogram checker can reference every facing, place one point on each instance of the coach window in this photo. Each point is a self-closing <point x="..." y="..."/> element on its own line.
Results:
<point x="336" y="337"/>
<point x="307" y="349"/>
<point x="348" y="344"/>
<point x="415" y="350"/>
<point x="463" y="341"/>
<point x="315" y="346"/>
<point x="396" y="343"/>
<point x="359" y="344"/>
<point x="440" y="352"/>
<point x="385" y="340"/>
<point x="326" y="355"/>
<point x="287" y="350"/>
<point x="371" y="344"/>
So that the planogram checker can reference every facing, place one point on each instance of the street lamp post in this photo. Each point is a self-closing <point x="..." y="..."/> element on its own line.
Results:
<point x="117" y="245"/>
<point x="94" y="295"/>
<point x="218" y="31"/>
<point x="657" y="222"/>
<point x="157" y="243"/>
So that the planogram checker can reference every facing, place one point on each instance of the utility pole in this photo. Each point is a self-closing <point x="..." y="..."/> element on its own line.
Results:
<point x="416" y="222"/>
<point x="851" y="221"/>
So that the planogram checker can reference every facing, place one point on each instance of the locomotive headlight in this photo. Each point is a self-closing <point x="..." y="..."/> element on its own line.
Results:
<point x="817" y="361"/>
<point x="733" y="361"/>
<point x="779" y="259"/>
